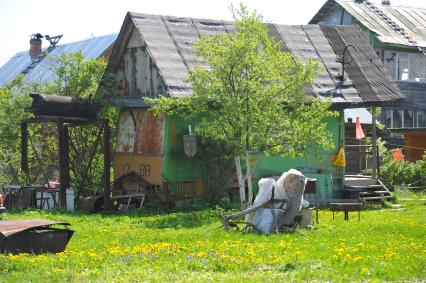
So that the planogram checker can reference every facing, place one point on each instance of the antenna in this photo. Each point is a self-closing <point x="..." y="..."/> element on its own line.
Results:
<point x="53" y="40"/>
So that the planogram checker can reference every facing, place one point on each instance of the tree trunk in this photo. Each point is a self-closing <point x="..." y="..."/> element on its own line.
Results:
<point x="249" y="175"/>
<point x="241" y="181"/>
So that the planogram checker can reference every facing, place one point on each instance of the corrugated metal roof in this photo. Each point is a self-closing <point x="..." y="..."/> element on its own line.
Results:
<point x="170" y="43"/>
<point x="91" y="48"/>
<point x="363" y="114"/>
<point x="392" y="24"/>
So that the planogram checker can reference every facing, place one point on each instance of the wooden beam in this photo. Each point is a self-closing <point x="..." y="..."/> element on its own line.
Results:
<point x="374" y="144"/>
<point x="64" y="174"/>
<point x="24" y="150"/>
<point x="107" y="166"/>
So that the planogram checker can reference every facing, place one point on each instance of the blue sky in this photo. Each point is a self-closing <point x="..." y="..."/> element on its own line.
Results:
<point x="81" y="19"/>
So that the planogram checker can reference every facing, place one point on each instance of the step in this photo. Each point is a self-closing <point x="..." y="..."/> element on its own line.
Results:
<point x="374" y="198"/>
<point x="354" y="182"/>
<point x="368" y="187"/>
<point x="374" y="192"/>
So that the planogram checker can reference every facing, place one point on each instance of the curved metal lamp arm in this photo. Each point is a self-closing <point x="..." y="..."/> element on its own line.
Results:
<point x="342" y="76"/>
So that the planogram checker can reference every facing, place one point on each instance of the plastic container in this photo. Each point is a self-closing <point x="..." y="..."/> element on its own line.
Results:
<point x="70" y="199"/>
<point x="306" y="217"/>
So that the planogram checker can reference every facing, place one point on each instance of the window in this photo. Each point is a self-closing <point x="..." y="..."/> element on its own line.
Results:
<point x="421" y="119"/>
<point x="408" y="119"/>
<point x="387" y="118"/>
<point x="417" y="67"/>
<point x="397" y="119"/>
<point x="390" y="61"/>
<point x="405" y="66"/>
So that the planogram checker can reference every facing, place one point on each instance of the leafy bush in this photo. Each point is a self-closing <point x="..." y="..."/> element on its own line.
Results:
<point x="395" y="173"/>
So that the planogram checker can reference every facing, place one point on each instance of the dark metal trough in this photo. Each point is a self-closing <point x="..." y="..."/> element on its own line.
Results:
<point x="55" y="105"/>
<point x="33" y="236"/>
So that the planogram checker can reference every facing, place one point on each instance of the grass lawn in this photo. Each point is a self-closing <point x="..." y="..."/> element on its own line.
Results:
<point x="386" y="245"/>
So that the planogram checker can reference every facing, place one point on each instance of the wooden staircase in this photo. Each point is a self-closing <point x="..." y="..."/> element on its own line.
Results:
<point x="367" y="190"/>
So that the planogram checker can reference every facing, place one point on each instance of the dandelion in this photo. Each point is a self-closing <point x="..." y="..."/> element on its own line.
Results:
<point x="364" y="270"/>
<point x="201" y="255"/>
<point x="339" y="251"/>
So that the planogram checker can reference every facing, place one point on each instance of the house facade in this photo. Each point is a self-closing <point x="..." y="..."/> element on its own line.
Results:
<point x="152" y="57"/>
<point x="398" y="36"/>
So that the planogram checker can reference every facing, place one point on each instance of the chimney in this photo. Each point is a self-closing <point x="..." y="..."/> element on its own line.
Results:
<point x="386" y="2"/>
<point x="35" y="46"/>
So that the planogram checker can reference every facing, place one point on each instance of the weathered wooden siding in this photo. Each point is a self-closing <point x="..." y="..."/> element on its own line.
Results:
<point x="138" y="75"/>
<point x="415" y="143"/>
<point x="140" y="145"/>
<point x="140" y="131"/>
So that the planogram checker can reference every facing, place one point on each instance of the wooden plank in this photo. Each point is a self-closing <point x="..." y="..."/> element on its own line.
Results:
<point x="107" y="166"/>
<point x="24" y="149"/>
<point x="63" y="148"/>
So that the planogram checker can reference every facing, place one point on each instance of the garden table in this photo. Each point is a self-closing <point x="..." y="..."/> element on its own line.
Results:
<point x="346" y="207"/>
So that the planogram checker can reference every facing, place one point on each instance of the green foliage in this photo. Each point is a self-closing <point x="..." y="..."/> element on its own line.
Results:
<point x="251" y="96"/>
<point x="395" y="173"/>
<point x="85" y="79"/>
<point x="14" y="98"/>
<point x="75" y="76"/>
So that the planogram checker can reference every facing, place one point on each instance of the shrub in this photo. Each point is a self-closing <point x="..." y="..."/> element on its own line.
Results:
<point x="395" y="173"/>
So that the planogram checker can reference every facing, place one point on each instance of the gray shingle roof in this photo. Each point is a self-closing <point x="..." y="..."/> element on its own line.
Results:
<point x="91" y="48"/>
<point x="170" y="41"/>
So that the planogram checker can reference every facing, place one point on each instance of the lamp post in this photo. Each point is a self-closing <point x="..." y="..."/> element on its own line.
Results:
<point x="190" y="149"/>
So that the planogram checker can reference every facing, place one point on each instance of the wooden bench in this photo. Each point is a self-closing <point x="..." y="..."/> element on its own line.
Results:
<point x="346" y="207"/>
<point x="130" y="197"/>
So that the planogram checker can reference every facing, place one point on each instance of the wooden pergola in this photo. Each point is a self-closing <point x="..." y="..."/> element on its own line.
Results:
<point x="63" y="124"/>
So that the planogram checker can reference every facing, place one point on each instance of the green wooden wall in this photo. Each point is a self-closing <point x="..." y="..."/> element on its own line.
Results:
<point x="177" y="168"/>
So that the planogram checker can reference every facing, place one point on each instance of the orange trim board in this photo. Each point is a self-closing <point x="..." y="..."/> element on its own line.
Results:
<point x="148" y="166"/>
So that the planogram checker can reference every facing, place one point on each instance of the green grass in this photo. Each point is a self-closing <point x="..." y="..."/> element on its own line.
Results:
<point x="386" y="245"/>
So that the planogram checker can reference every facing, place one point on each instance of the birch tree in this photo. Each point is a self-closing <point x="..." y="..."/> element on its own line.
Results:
<point x="251" y="96"/>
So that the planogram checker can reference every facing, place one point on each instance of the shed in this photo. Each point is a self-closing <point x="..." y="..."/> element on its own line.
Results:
<point x="152" y="57"/>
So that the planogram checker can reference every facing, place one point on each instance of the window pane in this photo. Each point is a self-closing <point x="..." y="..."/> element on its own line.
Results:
<point x="388" y="118"/>
<point x="390" y="61"/>
<point x="403" y="68"/>
<point x="408" y="119"/>
<point x="416" y="66"/>
<point x="421" y="119"/>
<point x="397" y="118"/>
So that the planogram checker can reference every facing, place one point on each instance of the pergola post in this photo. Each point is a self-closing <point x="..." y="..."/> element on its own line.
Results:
<point x="107" y="166"/>
<point x="64" y="168"/>
<point x="374" y="144"/>
<point x="24" y="150"/>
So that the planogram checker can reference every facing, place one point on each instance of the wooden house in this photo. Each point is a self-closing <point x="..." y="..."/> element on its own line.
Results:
<point x="398" y="36"/>
<point x="152" y="56"/>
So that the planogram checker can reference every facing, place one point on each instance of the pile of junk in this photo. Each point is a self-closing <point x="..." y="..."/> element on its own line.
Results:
<point x="278" y="207"/>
